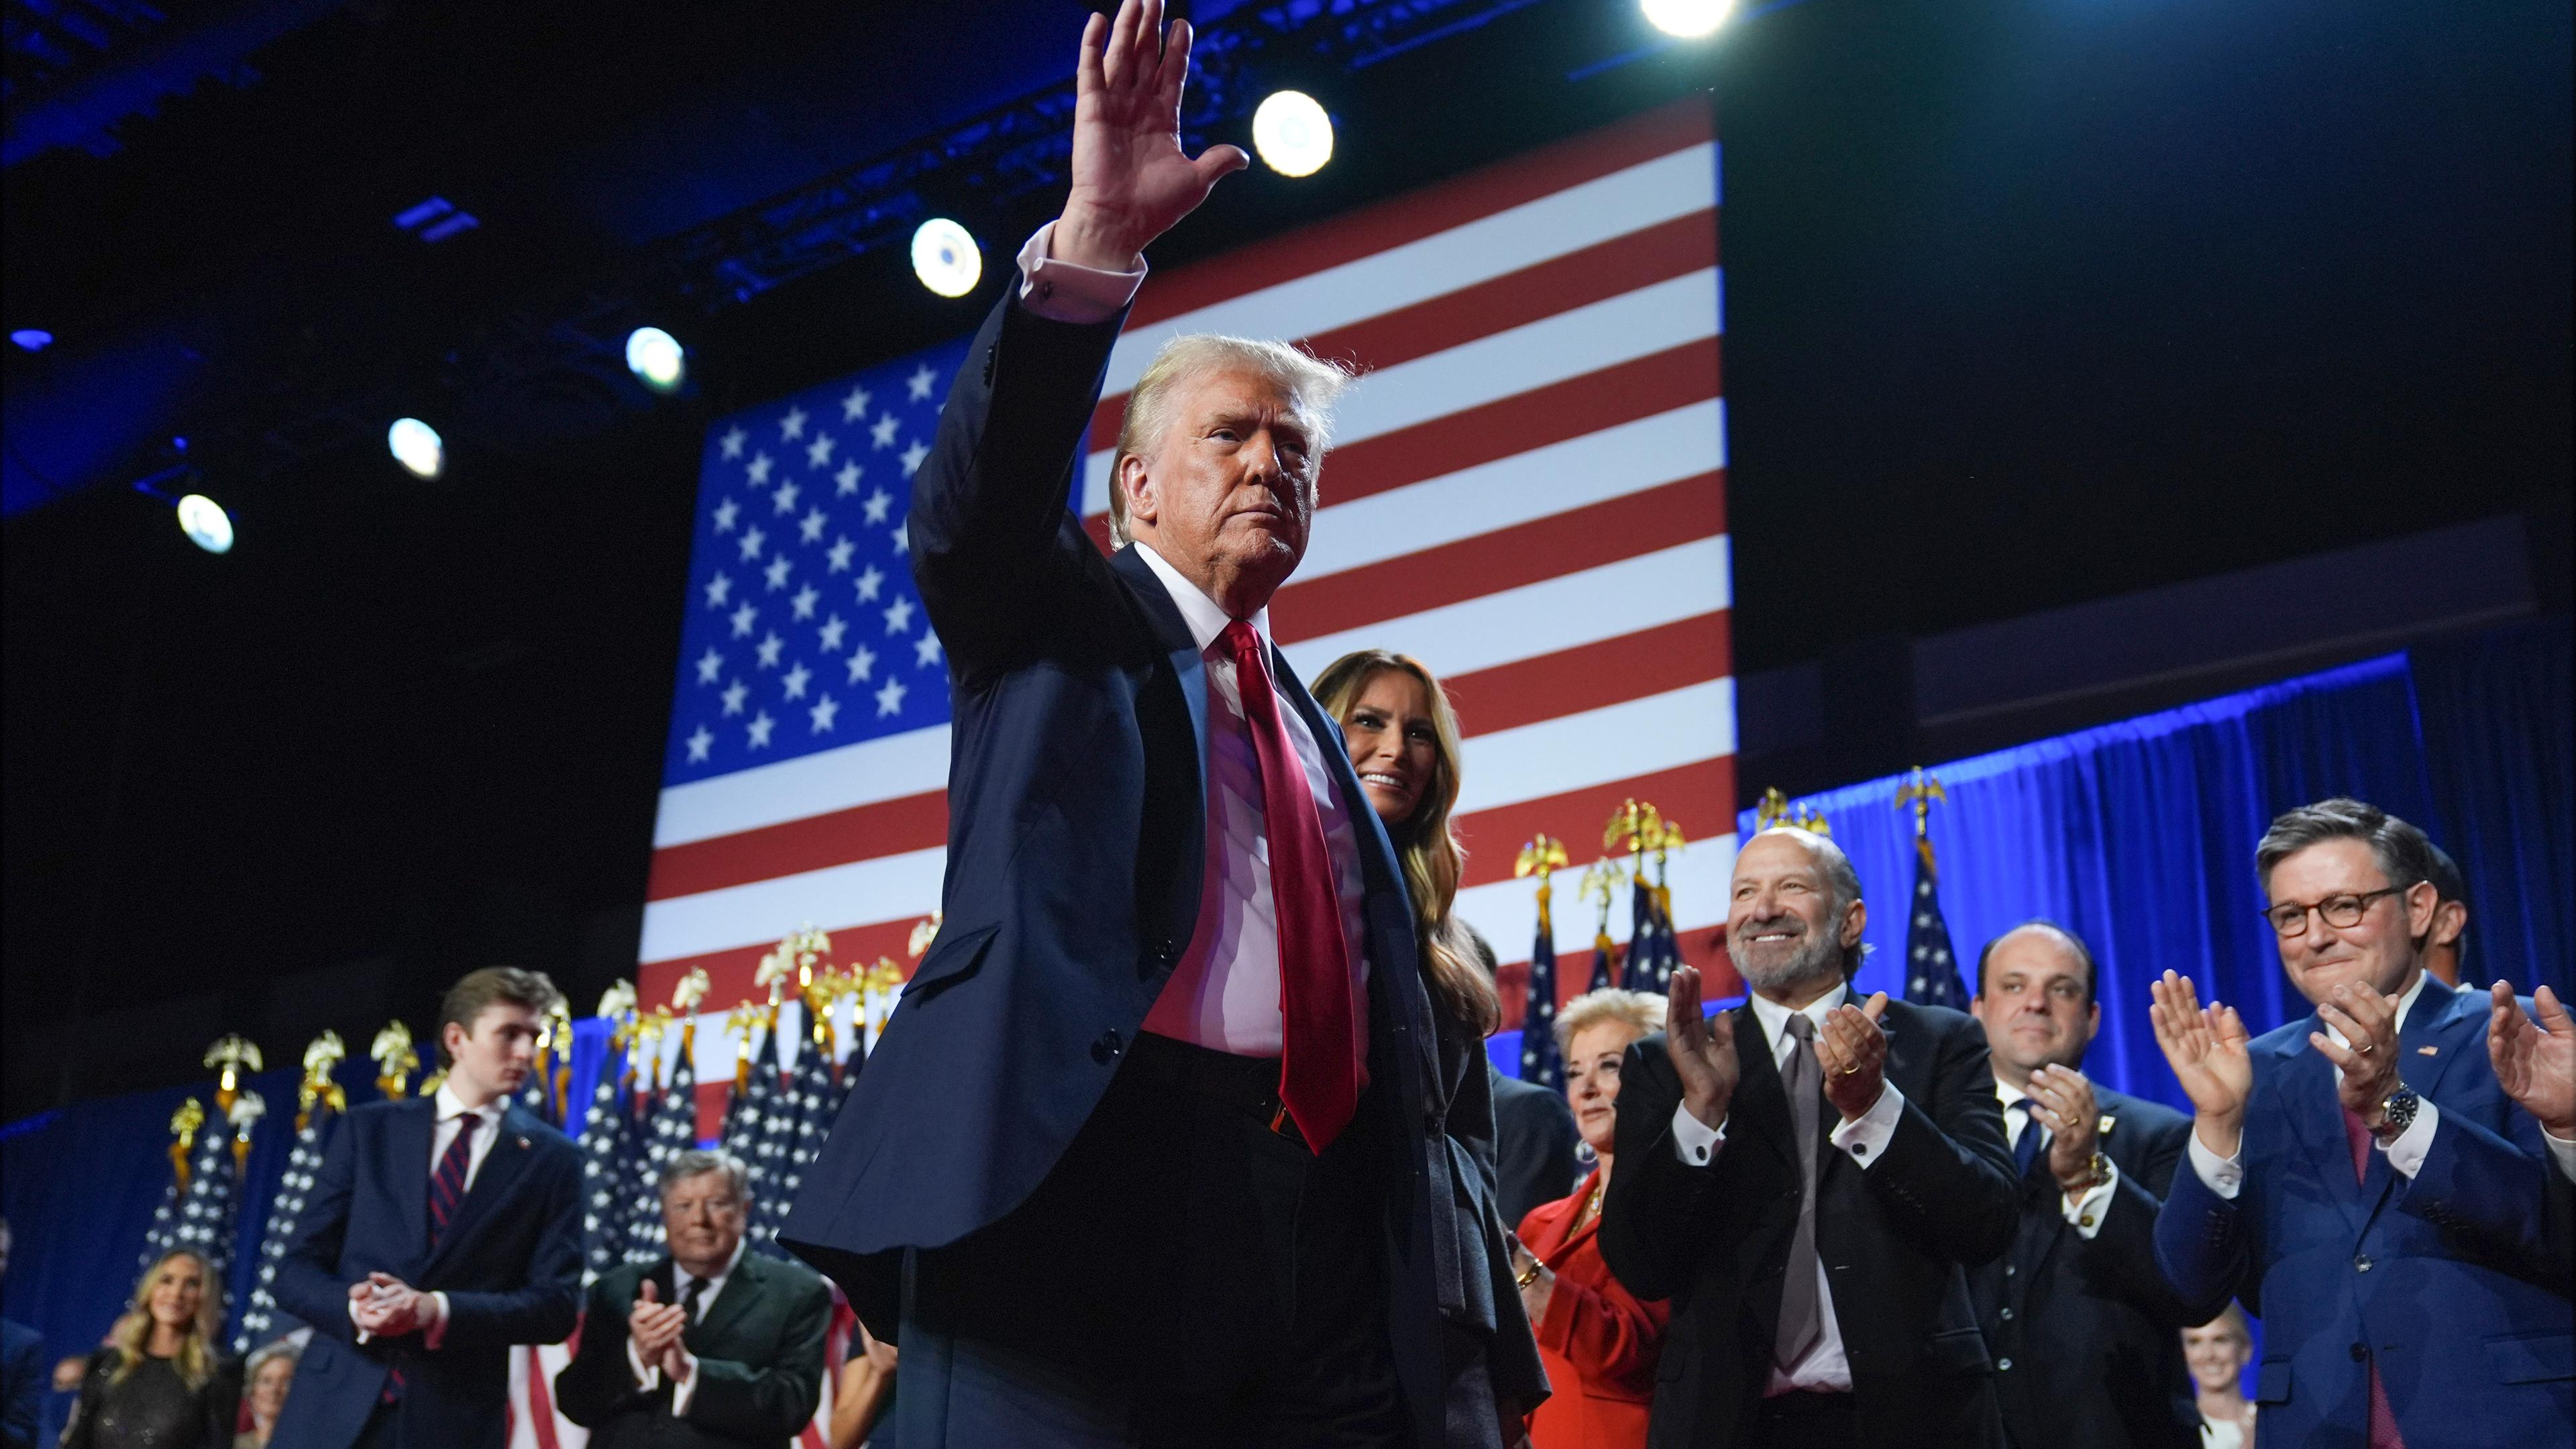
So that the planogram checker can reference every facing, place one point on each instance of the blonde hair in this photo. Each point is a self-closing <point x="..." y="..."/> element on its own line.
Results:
<point x="195" y="1360"/>
<point x="1643" y="1010"/>
<point x="1427" y="844"/>
<point x="1310" y="381"/>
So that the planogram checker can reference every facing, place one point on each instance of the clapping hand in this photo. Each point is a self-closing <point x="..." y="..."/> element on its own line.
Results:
<point x="2367" y="1018"/>
<point x="2535" y="1062"/>
<point x="653" y="1327"/>
<point x="1702" y="1051"/>
<point x="2205" y="1046"/>
<point x="388" y="1307"/>
<point x="1131" y="181"/>
<point x="2062" y="1100"/>
<point x="1852" y="1053"/>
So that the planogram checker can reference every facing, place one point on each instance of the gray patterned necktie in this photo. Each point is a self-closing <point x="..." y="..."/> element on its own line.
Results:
<point x="1801" y="1316"/>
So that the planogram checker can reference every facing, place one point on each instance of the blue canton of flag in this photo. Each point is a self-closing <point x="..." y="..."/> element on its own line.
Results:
<point x="1931" y="971"/>
<point x="1652" y="950"/>
<point x="804" y="631"/>
<point x="1540" y="1061"/>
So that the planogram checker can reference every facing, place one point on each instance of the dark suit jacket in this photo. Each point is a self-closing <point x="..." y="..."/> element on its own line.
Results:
<point x="759" y="1348"/>
<point x="1076" y="838"/>
<point x="1895" y="1238"/>
<point x="2092" y="1331"/>
<point x="2449" y="1282"/>
<point x="23" y="1374"/>
<point x="1534" y="1146"/>
<point x="510" y="1266"/>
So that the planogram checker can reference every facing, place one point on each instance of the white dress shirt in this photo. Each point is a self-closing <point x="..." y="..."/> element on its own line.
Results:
<point x="1224" y="993"/>
<point x="2086" y="1212"/>
<point x="1063" y="292"/>
<point x="452" y="1113"/>
<point x="648" y="1377"/>
<point x="2225" y="1176"/>
<point x="1824" y="1365"/>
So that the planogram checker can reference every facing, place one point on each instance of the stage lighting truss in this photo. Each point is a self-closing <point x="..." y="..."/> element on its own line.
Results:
<point x="1292" y="133"/>
<point x="945" y="257"/>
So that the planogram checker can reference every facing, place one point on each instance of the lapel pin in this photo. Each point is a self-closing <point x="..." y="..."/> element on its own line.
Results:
<point x="523" y="1144"/>
<point x="2103" y="1127"/>
<point x="2428" y="1051"/>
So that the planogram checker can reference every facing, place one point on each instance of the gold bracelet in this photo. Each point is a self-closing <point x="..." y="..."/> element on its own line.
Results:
<point x="1529" y="1277"/>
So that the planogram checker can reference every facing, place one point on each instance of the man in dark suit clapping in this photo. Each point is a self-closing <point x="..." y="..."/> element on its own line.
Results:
<point x="712" y="1346"/>
<point x="440" y="1231"/>
<point x="1806" y="1180"/>
<point x="2087" y="1336"/>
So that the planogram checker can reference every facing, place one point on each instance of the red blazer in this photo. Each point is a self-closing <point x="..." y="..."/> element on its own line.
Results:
<point x="1598" y="1341"/>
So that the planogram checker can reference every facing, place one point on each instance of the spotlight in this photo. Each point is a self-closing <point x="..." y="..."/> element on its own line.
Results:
<point x="34" y="339"/>
<point x="945" y="257"/>
<point x="205" y="523"/>
<point x="1292" y="133"/>
<point x="655" y="357"/>
<point x="1689" y="19"/>
<point x="416" y="446"/>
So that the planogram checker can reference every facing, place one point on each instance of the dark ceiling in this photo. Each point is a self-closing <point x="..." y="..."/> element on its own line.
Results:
<point x="2027" y="304"/>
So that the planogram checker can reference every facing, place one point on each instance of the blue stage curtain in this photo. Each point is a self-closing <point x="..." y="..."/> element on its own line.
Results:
<point x="2500" y="740"/>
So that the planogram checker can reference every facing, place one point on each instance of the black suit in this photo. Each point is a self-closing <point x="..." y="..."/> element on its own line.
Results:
<point x="2090" y="1329"/>
<point x="759" y="1348"/>
<point x="1534" y="1146"/>
<point x="1894" y="1238"/>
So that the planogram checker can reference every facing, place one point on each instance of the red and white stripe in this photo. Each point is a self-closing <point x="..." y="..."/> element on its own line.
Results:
<point x="1526" y="491"/>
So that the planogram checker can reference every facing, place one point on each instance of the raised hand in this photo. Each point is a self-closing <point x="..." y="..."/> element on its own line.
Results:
<point x="653" y="1327"/>
<point x="1702" y="1051"/>
<point x="2368" y="1021"/>
<point x="1852" y="1053"/>
<point x="2063" y="1099"/>
<point x="2535" y="1062"/>
<point x="2205" y="1046"/>
<point x="1131" y="181"/>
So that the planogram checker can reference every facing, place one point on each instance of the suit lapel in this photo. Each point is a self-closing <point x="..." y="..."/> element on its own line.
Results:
<point x="1761" y="1099"/>
<point x="741" y="1290"/>
<point x="409" y="1130"/>
<point x="2437" y="1030"/>
<point x="502" y="1164"/>
<point x="2316" y="1116"/>
<point x="1172" y="635"/>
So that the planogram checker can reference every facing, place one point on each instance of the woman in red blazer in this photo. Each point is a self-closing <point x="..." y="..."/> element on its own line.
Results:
<point x="1598" y="1341"/>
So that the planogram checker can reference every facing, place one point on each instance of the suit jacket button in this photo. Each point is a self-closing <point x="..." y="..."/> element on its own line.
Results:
<point x="1105" y="1050"/>
<point x="2003" y="1365"/>
<point x="2007" y="1314"/>
<point x="2360" y="1352"/>
<point x="2362" y="1263"/>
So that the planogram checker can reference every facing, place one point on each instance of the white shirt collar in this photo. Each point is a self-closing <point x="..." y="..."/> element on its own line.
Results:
<point x="2405" y="1004"/>
<point x="452" y="1106"/>
<point x="1203" y="614"/>
<point x="2007" y="1093"/>
<point x="1775" y="1017"/>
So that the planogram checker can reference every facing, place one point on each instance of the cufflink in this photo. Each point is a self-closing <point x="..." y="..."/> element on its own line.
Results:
<point x="1860" y="1149"/>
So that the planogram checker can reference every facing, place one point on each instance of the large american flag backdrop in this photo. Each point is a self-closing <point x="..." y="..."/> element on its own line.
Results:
<point x="1527" y="492"/>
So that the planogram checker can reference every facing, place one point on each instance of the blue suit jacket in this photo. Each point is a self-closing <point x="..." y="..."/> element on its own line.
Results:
<point x="1076" y="840"/>
<point x="23" y="1374"/>
<point x="2447" y="1280"/>
<point x="510" y="1266"/>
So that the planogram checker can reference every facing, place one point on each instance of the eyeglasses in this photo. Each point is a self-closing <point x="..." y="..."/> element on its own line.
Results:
<point x="2291" y="919"/>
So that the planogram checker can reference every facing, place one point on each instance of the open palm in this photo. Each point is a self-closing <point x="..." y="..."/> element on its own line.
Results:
<point x="1131" y="180"/>
<point x="2205" y="1046"/>
<point x="2535" y="1061"/>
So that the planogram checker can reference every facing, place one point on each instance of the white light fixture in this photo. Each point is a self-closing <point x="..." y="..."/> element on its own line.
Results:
<point x="945" y="257"/>
<point x="1689" y="19"/>
<point x="656" y="358"/>
<point x="205" y="523"/>
<point x="1292" y="133"/>
<point x="416" y="446"/>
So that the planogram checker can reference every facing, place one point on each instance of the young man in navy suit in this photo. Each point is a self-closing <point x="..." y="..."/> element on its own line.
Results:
<point x="2360" y="1177"/>
<point x="440" y="1231"/>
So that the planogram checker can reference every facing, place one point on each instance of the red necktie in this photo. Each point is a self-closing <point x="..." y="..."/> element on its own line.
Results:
<point x="1319" y="1070"/>
<point x="2383" y="1419"/>
<point x="446" y="1191"/>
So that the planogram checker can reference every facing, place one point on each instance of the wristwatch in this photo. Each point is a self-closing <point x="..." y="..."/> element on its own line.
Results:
<point x="2096" y="1173"/>
<point x="2399" y="1109"/>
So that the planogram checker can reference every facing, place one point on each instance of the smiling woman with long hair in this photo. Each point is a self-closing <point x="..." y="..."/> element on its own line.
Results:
<point x="159" y="1382"/>
<point x="1402" y="738"/>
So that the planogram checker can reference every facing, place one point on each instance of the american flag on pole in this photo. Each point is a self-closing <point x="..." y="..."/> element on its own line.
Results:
<point x="1526" y="492"/>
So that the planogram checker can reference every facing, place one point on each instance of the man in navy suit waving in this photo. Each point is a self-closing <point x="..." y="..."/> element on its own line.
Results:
<point x="2359" y="1177"/>
<point x="1143" y="1157"/>
<point x="440" y="1231"/>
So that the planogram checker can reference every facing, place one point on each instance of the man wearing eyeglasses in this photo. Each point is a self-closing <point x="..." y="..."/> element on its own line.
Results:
<point x="2359" y="1177"/>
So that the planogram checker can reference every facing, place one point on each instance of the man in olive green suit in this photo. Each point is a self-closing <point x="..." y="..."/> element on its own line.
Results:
<point x="711" y="1346"/>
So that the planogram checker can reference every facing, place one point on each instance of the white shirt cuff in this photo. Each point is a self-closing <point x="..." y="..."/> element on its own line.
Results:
<point x="1864" y="1139"/>
<point x="2086" y="1212"/>
<point x="647" y="1378"/>
<point x="1063" y="292"/>
<point x="436" y="1332"/>
<point x="687" y="1386"/>
<point x="1694" y="1141"/>
<point x="2562" y="1150"/>
<point x="363" y="1335"/>
<point x="2224" y="1176"/>
<point x="2406" y="1154"/>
